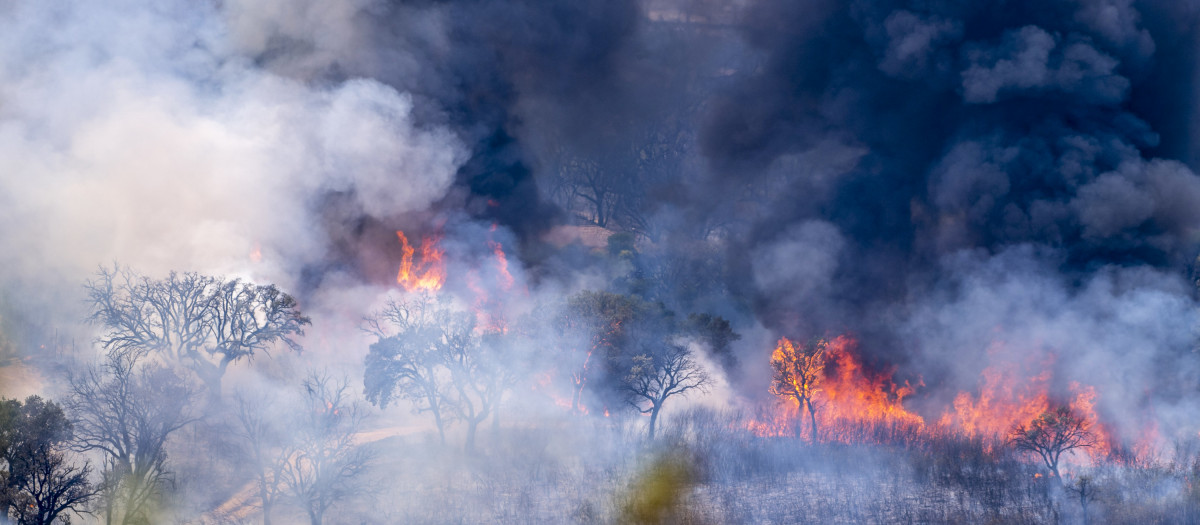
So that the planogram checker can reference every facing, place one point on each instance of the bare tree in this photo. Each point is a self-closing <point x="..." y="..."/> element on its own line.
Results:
<point x="584" y="186"/>
<point x="798" y="373"/>
<point x="323" y="463"/>
<point x="204" y="323"/>
<point x="1054" y="432"/>
<point x="1085" y="488"/>
<point x="126" y="409"/>
<point x="265" y="445"/>
<point x="656" y="377"/>
<point x="40" y="485"/>
<point x="405" y="362"/>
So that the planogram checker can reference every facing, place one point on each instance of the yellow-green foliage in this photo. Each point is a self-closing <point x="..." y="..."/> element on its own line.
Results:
<point x="656" y="494"/>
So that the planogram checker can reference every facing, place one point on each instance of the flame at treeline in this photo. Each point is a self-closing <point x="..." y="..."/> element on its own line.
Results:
<point x="855" y="404"/>
<point x="428" y="273"/>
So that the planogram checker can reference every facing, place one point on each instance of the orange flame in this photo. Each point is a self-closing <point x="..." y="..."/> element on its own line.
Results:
<point x="430" y="274"/>
<point x="506" y="279"/>
<point x="1008" y="395"/>
<point x="858" y="405"/>
<point x="852" y="404"/>
<point x="489" y="311"/>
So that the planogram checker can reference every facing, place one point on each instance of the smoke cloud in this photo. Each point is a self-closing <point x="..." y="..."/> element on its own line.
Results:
<point x="957" y="185"/>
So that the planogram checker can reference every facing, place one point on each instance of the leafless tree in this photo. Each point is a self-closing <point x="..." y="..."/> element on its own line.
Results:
<point x="798" y="373"/>
<point x="126" y="409"/>
<point x="265" y="444"/>
<point x="323" y="462"/>
<point x="656" y="377"/>
<point x="1054" y="432"/>
<point x="1085" y="488"/>
<point x="585" y="187"/>
<point x="204" y="323"/>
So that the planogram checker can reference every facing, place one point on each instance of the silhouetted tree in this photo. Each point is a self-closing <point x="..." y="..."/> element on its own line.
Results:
<point x="437" y="357"/>
<point x="1052" y="433"/>
<point x="126" y="409"/>
<point x="661" y="374"/>
<point x="201" y="322"/>
<point x="477" y="370"/>
<point x="798" y="373"/>
<point x="322" y="462"/>
<point x="718" y="333"/>
<point x="601" y="329"/>
<point x="39" y="485"/>
<point x="260" y="430"/>
<point x="405" y="361"/>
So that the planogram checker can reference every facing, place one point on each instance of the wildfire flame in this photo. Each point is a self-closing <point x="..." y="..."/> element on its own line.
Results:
<point x="427" y="275"/>
<point x="858" y="405"/>
<point x="850" y="400"/>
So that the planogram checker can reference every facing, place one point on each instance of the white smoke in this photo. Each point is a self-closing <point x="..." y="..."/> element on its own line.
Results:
<point x="136" y="132"/>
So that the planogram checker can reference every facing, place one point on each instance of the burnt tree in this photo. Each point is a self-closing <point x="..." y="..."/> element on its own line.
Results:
<point x="264" y="438"/>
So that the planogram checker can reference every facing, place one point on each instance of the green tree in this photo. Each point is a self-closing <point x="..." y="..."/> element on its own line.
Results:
<point x="40" y="485"/>
<point x="404" y="362"/>
<point x="717" y="333"/>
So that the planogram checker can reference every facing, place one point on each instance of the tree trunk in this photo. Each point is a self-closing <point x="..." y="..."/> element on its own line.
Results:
<point x="212" y="385"/>
<point x="496" y="418"/>
<point x="472" y="425"/>
<point x="653" y="420"/>
<point x="437" y="420"/>
<point x="812" y="416"/>
<point x="266" y="508"/>
<point x="1083" y="501"/>
<point x="315" y="517"/>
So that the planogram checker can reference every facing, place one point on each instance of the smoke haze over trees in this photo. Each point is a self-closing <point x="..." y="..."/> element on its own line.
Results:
<point x="981" y="213"/>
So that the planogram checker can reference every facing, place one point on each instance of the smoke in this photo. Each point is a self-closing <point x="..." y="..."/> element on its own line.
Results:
<point x="141" y="134"/>
<point x="955" y="184"/>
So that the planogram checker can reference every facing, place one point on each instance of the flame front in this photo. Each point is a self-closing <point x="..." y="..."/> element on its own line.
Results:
<point x="850" y="403"/>
<point x="427" y="275"/>
<point x="853" y="404"/>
